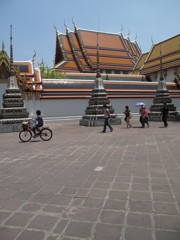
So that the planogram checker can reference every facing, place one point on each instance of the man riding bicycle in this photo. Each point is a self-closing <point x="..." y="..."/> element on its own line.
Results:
<point x="39" y="124"/>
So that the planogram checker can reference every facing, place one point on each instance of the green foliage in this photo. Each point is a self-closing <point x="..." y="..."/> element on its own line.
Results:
<point x="48" y="73"/>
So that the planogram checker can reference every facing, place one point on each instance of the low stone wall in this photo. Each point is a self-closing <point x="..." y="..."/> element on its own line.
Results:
<point x="12" y="125"/>
<point x="157" y="117"/>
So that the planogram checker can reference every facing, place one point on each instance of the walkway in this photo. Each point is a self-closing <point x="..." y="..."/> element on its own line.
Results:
<point x="85" y="184"/>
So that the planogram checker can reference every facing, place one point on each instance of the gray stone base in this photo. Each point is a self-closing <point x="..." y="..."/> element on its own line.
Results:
<point x="157" y="117"/>
<point x="12" y="125"/>
<point x="98" y="122"/>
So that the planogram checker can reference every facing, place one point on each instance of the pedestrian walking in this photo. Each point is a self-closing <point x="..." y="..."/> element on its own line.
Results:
<point x="141" y="115"/>
<point x="128" y="116"/>
<point x="107" y="116"/>
<point x="165" y="114"/>
<point x="145" y="116"/>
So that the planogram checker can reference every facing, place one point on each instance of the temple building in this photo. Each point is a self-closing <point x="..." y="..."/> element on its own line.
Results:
<point x="28" y="77"/>
<point x="149" y="63"/>
<point x="75" y="56"/>
<point x="76" y="52"/>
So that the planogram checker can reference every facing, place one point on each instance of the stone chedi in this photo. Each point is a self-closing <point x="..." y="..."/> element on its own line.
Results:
<point x="162" y="96"/>
<point x="13" y="112"/>
<point x="94" y="115"/>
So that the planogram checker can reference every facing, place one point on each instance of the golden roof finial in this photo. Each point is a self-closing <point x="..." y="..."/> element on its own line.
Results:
<point x="121" y="28"/>
<point x="2" y="45"/>
<point x="73" y="23"/>
<point x="55" y="27"/>
<point x="128" y="33"/>
<point x="152" y="40"/>
<point x="135" y="37"/>
<point x="34" y="55"/>
<point x="65" y="24"/>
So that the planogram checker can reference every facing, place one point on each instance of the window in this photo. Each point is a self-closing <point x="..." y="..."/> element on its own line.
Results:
<point x="23" y="68"/>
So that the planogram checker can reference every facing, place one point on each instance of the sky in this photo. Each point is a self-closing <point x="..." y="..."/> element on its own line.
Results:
<point x="33" y="22"/>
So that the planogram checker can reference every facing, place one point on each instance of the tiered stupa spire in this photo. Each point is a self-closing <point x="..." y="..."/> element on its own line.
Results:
<point x="161" y="70"/>
<point x="98" y="74"/>
<point x="12" y="81"/>
<point x="162" y="96"/>
<point x="94" y="112"/>
<point x="11" y="54"/>
<point x="13" y="113"/>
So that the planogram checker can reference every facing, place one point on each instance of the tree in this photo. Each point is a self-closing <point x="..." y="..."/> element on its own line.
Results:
<point x="50" y="73"/>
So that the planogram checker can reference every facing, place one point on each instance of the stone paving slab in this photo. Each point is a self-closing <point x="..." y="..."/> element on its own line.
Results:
<point x="84" y="184"/>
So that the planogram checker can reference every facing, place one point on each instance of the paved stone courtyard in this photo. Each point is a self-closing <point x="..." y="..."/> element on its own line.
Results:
<point x="84" y="184"/>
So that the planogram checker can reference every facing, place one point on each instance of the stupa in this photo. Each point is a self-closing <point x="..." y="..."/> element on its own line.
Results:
<point x="94" y="115"/>
<point x="13" y="112"/>
<point x="162" y="96"/>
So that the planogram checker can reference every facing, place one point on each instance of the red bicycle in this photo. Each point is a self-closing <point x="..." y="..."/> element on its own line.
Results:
<point x="26" y="134"/>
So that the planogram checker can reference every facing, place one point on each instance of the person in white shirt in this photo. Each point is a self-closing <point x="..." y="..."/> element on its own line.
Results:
<point x="107" y="115"/>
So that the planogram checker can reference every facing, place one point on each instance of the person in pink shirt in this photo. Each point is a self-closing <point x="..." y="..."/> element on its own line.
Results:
<point x="145" y="117"/>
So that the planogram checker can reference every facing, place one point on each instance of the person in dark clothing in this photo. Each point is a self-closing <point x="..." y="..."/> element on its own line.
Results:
<point x="40" y="122"/>
<point x="165" y="114"/>
<point x="128" y="115"/>
<point x="106" y="119"/>
<point x="141" y="115"/>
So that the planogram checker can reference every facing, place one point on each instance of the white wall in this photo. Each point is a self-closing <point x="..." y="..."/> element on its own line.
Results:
<point x="77" y="107"/>
<point x="169" y="78"/>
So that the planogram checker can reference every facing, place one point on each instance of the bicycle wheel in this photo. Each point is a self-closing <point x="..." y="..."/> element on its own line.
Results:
<point x="25" y="135"/>
<point x="46" y="134"/>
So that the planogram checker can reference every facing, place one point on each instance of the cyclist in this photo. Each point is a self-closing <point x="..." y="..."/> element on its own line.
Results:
<point x="40" y="122"/>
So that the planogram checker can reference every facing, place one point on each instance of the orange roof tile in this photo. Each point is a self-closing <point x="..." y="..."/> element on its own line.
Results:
<point x="70" y="66"/>
<point x="75" y="41"/>
<point x="136" y="49"/>
<point x="65" y="43"/>
<point x="82" y="44"/>
<point x="76" y="51"/>
<point x="104" y="40"/>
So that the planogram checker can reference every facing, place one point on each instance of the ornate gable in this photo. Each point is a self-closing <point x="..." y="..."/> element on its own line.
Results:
<point x="4" y="64"/>
<point x="170" y="56"/>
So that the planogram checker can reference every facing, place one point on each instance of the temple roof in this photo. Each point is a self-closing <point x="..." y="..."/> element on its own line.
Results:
<point x="4" y="63"/>
<point x="136" y="49"/>
<point x="29" y="75"/>
<point x="64" y="56"/>
<point x="77" y="51"/>
<point x="170" y="56"/>
<point x="140" y="63"/>
<point x="130" y="49"/>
